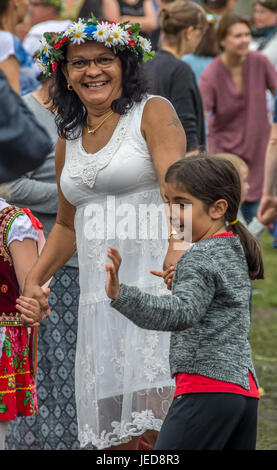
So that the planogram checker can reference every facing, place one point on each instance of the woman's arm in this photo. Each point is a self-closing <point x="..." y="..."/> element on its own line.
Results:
<point x="11" y="68"/>
<point x="148" y="22"/>
<point x="166" y="141"/>
<point x="164" y="135"/>
<point x="269" y="197"/>
<point x="39" y="196"/>
<point x="111" y="10"/>
<point x="60" y="245"/>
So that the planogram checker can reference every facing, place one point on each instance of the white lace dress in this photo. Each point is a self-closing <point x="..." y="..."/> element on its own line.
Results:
<point x="123" y="383"/>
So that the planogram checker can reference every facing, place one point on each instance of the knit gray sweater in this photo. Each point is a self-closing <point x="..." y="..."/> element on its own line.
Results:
<point x="208" y="312"/>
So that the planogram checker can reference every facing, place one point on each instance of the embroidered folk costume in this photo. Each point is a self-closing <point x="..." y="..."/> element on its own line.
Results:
<point x="17" y="373"/>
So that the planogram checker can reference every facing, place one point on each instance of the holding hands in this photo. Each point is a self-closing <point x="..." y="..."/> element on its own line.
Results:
<point x="33" y="306"/>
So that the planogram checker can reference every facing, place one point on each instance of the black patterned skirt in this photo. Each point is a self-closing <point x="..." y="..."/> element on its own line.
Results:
<point x="55" y="426"/>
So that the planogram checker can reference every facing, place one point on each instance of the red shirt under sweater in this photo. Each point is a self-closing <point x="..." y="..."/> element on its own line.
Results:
<point x="195" y="383"/>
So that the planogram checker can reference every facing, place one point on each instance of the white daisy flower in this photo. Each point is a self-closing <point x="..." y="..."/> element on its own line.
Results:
<point x="42" y="66"/>
<point x="68" y="32"/>
<point x="78" y="36"/>
<point x="145" y="44"/>
<point x="79" y="26"/>
<point x="45" y="48"/>
<point x="102" y="32"/>
<point x="109" y="40"/>
<point x="119" y="35"/>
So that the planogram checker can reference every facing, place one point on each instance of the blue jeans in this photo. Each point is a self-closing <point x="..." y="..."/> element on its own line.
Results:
<point x="249" y="210"/>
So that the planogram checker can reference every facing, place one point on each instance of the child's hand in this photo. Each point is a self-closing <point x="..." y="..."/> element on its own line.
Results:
<point x="112" y="282"/>
<point x="31" y="313"/>
<point x="167" y="275"/>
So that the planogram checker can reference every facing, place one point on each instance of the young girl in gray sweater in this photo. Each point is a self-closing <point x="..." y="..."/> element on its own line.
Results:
<point x="216" y="397"/>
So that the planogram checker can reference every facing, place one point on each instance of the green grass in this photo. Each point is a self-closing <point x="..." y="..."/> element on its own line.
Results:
<point x="263" y="339"/>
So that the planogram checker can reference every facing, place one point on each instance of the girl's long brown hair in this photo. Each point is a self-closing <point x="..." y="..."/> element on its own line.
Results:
<point x="209" y="178"/>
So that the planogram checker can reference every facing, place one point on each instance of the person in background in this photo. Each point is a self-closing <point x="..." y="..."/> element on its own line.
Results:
<point x="219" y="8"/>
<point x="233" y="89"/>
<point x="264" y="31"/>
<point x="24" y="143"/>
<point x="182" y="24"/>
<point x="255" y="227"/>
<point x="269" y="195"/>
<point x="56" y="426"/>
<point x="91" y="6"/>
<point x="264" y="36"/>
<point x="22" y="28"/>
<point x="15" y="61"/>
<point x="45" y="16"/>
<point x="206" y="50"/>
<point x="155" y="36"/>
<point x="133" y="11"/>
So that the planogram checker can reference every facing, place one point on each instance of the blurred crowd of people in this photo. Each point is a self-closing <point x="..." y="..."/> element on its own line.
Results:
<point x="218" y="70"/>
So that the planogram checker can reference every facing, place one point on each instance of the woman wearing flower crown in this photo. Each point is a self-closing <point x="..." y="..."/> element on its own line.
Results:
<point x="115" y="144"/>
<point x="15" y="61"/>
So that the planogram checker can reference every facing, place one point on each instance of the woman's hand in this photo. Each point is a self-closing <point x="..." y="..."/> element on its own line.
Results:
<point x="269" y="216"/>
<point x="112" y="282"/>
<point x="167" y="275"/>
<point x="267" y="211"/>
<point x="33" y="317"/>
<point x="31" y="313"/>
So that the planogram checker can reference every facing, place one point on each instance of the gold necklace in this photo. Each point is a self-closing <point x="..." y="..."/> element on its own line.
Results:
<point x="92" y="131"/>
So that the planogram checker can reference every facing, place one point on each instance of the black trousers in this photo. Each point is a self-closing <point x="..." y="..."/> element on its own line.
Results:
<point x="210" y="421"/>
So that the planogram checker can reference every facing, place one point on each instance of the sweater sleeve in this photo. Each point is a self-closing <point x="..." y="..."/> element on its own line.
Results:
<point x="193" y="291"/>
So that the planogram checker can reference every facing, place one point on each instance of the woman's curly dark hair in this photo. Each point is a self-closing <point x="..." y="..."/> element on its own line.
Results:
<point x="70" y="112"/>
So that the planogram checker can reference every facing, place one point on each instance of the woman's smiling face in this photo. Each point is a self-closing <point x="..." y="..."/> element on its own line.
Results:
<point x="93" y="85"/>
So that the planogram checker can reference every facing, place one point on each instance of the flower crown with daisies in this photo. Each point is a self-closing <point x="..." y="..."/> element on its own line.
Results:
<point x="118" y="36"/>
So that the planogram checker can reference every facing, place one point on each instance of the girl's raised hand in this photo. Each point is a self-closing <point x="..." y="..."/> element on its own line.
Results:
<point x="112" y="282"/>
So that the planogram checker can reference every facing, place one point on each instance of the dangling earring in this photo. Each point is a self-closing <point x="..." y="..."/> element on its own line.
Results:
<point x="69" y="87"/>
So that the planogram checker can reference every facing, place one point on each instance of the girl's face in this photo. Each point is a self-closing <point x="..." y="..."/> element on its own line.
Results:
<point x="189" y="217"/>
<point x="94" y="85"/>
<point x="237" y="40"/>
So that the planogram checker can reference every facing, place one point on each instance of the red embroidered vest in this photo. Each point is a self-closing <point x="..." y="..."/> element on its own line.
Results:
<point x="9" y="288"/>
